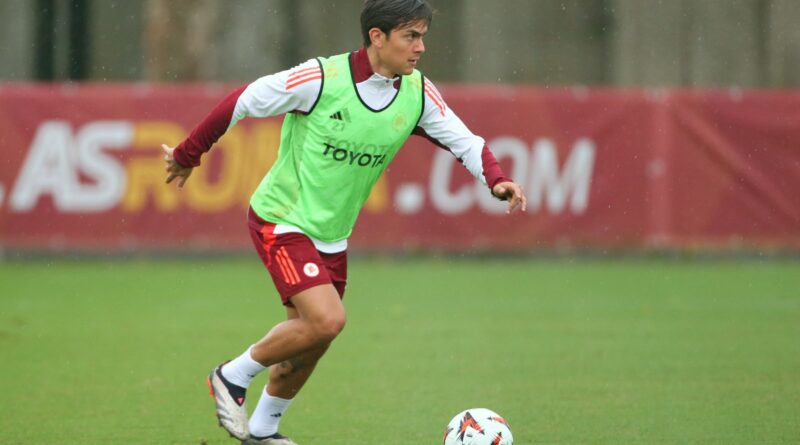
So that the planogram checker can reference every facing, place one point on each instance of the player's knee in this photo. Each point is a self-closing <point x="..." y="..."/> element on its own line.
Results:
<point x="328" y="328"/>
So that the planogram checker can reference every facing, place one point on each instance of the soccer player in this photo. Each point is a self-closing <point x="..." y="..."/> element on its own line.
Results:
<point x="346" y="117"/>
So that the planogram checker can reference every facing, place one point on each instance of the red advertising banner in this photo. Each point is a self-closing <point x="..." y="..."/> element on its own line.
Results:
<point x="603" y="169"/>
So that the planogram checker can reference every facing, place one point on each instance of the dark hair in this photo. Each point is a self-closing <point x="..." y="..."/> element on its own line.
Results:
<point x="387" y="15"/>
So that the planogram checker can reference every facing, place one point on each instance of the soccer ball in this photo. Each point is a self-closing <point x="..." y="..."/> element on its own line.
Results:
<point x="478" y="426"/>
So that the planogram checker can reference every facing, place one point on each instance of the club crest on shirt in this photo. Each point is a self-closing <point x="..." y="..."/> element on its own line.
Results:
<point x="400" y="121"/>
<point x="415" y="82"/>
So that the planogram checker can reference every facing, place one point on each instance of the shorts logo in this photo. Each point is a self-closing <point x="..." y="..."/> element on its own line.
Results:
<point x="311" y="270"/>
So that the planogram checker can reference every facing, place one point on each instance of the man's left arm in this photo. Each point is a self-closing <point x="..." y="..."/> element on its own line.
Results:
<point x="440" y="125"/>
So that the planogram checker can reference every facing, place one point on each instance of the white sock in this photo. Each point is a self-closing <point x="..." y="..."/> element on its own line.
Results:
<point x="265" y="419"/>
<point x="241" y="370"/>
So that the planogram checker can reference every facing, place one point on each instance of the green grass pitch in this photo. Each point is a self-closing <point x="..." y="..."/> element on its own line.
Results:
<point x="570" y="352"/>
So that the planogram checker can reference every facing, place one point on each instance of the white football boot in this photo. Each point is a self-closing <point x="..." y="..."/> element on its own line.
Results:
<point x="275" y="439"/>
<point x="231" y="408"/>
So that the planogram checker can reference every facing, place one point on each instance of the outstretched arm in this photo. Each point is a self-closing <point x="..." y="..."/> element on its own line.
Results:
<point x="440" y="125"/>
<point x="295" y="89"/>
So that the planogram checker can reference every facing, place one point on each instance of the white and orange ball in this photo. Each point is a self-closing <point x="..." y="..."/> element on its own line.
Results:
<point x="478" y="426"/>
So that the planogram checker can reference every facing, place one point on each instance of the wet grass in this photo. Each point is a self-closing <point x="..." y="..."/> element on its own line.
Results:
<point x="570" y="352"/>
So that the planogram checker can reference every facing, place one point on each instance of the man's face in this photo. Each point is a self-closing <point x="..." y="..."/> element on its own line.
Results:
<point x="403" y="47"/>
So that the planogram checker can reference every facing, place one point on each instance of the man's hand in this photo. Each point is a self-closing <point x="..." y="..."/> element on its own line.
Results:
<point x="511" y="192"/>
<point x="174" y="169"/>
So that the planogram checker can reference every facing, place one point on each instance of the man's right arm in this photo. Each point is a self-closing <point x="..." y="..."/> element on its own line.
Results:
<point x="296" y="89"/>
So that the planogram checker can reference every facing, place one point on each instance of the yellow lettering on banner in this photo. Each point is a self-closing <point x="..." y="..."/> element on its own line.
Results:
<point x="378" y="200"/>
<point x="146" y="173"/>
<point x="261" y="150"/>
<point x="225" y="159"/>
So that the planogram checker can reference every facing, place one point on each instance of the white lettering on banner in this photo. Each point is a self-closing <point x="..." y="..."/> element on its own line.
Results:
<point x="73" y="167"/>
<point x="107" y="173"/>
<point x="574" y="181"/>
<point x="47" y="169"/>
<point x="537" y="171"/>
<point x="504" y="147"/>
<point x="442" y="198"/>
<point x="56" y="160"/>
<point x="409" y="199"/>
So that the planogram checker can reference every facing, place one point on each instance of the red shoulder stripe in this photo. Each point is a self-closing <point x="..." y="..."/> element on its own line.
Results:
<point x="432" y="88"/>
<point x="303" y="71"/>
<point x="434" y="95"/>
<point x="435" y="101"/>
<point x="301" y="81"/>
<point x="292" y="78"/>
<point x="303" y="76"/>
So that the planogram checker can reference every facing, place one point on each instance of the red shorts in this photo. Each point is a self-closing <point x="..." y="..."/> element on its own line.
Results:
<point x="293" y="262"/>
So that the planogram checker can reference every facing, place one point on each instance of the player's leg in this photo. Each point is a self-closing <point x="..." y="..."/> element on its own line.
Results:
<point x="321" y="317"/>
<point x="288" y="377"/>
<point x="285" y="381"/>
<point x="304" y="280"/>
